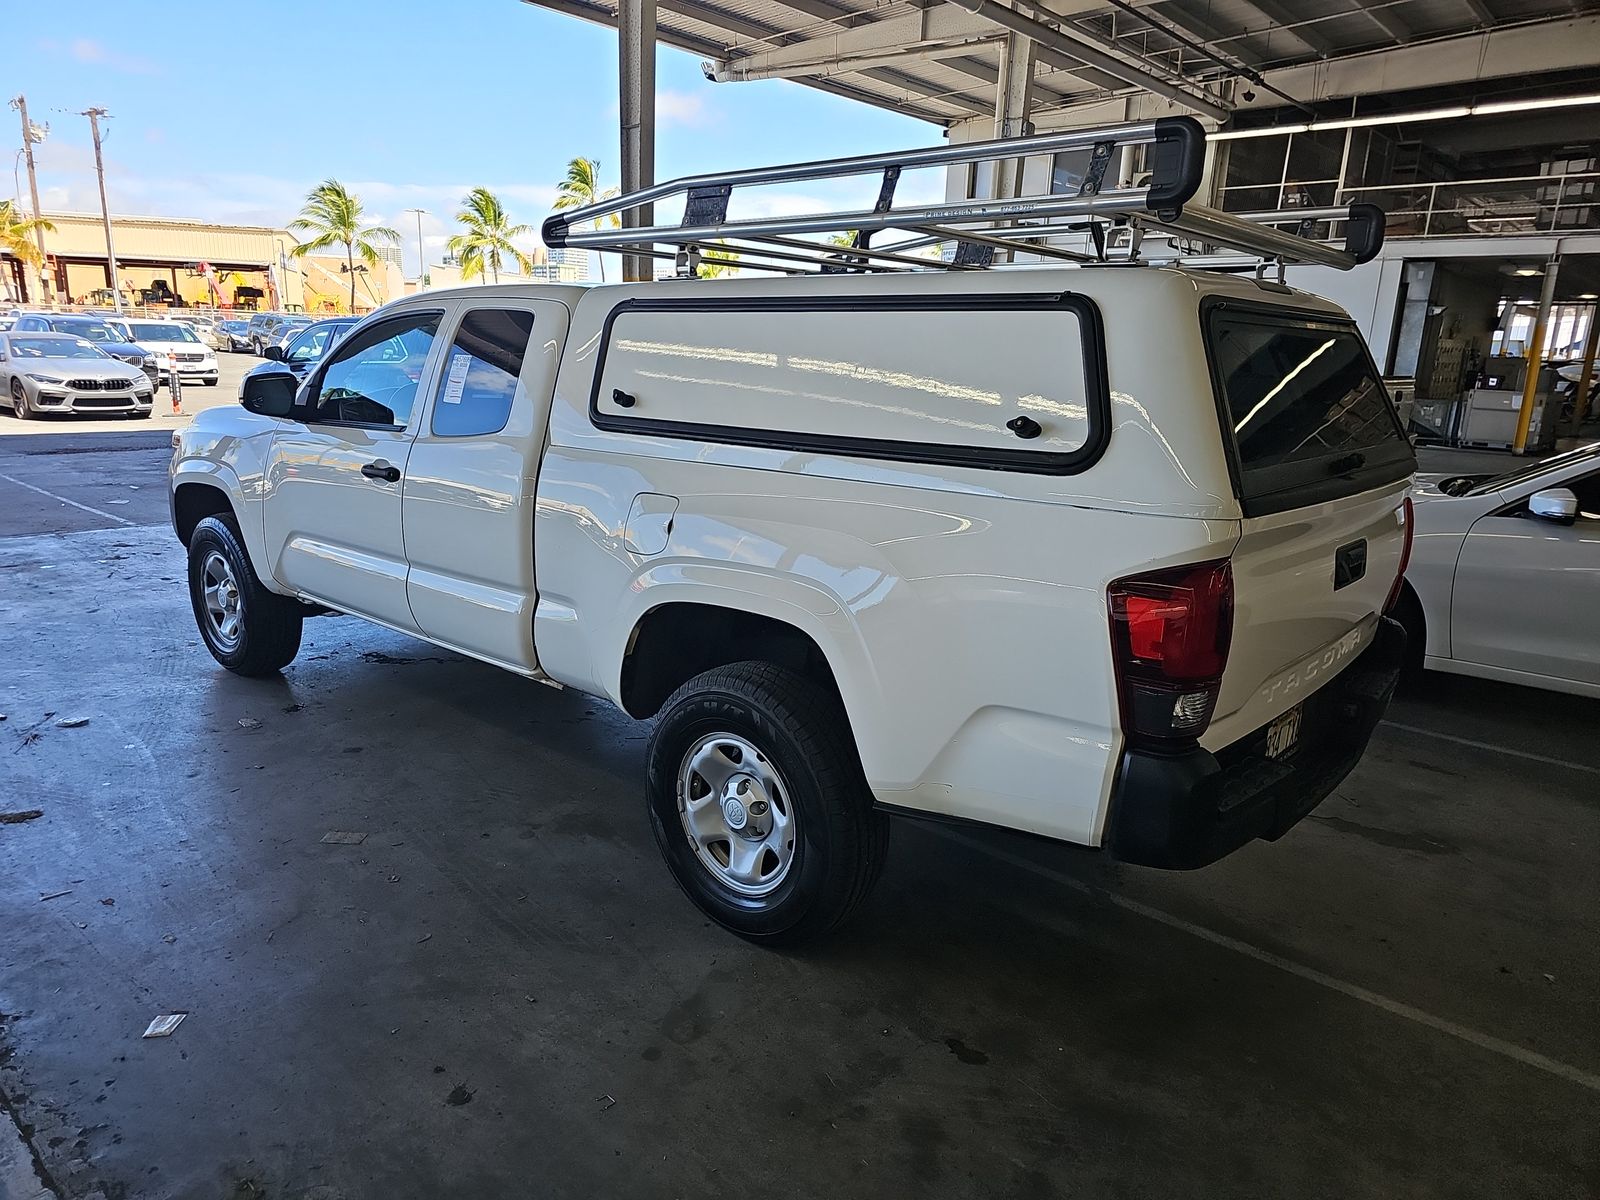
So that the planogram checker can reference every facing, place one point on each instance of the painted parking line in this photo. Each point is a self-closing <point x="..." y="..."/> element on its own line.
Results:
<point x="1472" y="1037"/>
<point x="86" y="508"/>
<point x="1493" y="749"/>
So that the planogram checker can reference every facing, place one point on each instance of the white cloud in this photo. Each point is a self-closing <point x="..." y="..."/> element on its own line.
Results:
<point x="683" y="108"/>
<point x="96" y="54"/>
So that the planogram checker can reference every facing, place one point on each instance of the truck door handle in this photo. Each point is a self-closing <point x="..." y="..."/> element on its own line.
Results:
<point x="381" y="470"/>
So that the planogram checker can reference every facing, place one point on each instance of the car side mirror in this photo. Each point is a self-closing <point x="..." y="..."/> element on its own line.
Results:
<point x="1554" y="504"/>
<point x="272" y="394"/>
<point x="275" y="353"/>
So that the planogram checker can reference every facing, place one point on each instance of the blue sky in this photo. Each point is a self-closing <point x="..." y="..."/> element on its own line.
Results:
<point x="230" y="113"/>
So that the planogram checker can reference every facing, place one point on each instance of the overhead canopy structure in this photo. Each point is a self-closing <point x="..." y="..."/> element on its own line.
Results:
<point x="943" y="61"/>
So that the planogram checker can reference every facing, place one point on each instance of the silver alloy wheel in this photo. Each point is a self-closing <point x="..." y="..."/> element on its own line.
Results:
<point x="737" y="814"/>
<point x="221" y="592"/>
<point x="19" y="397"/>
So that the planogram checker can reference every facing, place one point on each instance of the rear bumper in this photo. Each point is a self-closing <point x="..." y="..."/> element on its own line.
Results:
<point x="1191" y="808"/>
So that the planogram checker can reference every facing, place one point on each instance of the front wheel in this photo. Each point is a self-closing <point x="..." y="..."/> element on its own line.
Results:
<point x="248" y="629"/>
<point x="19" y="402"/>
<point x="211" y="383"/>
<point x="759" y="805"/>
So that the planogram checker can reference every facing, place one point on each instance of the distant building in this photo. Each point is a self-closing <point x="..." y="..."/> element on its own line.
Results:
<point x="178" y="262"/>
<point x="388" y="254"/>
<point x="560" y="264"/>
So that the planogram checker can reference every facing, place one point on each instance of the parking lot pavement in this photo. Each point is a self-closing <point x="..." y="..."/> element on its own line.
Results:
<point x="497" y="991"/>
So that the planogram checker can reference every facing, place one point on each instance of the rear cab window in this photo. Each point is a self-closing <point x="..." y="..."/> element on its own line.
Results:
<point x="1306" y="416"/>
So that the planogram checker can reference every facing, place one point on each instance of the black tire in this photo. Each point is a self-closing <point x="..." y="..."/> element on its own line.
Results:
<point x="1408" y="611"/>
<point x="802" y="730"/>
<point x="269" y="625"/>
<point x="20" y="408"/>
<point x="145" y="415"/>
<point x="211" y="383"/>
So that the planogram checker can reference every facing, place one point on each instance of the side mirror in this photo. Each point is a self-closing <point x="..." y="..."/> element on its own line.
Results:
<point x="272" y="395"/>
<point x="1554" y="504"/>
<point x="275" y="353"/>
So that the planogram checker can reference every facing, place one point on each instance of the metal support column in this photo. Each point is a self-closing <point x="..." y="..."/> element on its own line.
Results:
<point x="1530" y="386"/>
<point x="636" y="75"/>
<point x="1013" y="102"/>
<point x="1580" y="405"/>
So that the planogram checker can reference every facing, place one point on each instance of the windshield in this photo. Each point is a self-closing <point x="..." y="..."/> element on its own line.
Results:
<point x="235" y="326"/>
<point x="161" y="333"/>
<point x="54" y="347"/>
<point x="94" y="331"/>
<point x="1500" y="483"/>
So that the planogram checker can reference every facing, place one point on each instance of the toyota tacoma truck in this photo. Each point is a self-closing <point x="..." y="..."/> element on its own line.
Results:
<point x="1100" y="554"/>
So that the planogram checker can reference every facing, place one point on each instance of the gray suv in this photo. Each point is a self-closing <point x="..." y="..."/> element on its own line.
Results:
<point x="268" y="329"/>
<point x="92" y="329"/>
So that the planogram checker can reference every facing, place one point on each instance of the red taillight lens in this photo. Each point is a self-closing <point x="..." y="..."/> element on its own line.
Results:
<point x="1407" y="515"/>
<point x="1170" y="633"/>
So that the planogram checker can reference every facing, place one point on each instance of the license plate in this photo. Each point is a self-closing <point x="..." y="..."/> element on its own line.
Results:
<point x="1283" y="733"/>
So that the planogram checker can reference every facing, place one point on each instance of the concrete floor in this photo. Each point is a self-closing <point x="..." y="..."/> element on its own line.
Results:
<point x="500" y="992"/>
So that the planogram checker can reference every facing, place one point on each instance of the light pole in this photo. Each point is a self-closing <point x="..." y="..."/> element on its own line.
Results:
<point x="94" y="115"/>
<point x="422" y="257"/>
<point x="32" y="133"/>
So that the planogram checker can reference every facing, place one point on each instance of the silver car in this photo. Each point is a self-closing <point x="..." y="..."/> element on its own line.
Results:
<point x="1504" y="580"/>
<point x="53" y="372"/>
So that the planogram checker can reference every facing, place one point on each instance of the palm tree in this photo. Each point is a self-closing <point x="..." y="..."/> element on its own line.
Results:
<point x="488" y="236"/>
<point x="17" y="234"/>
<point x="580" y="189"/>
<point x="333" y="217"/>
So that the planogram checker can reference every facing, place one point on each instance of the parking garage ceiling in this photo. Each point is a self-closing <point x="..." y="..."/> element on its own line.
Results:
<point x="941" y="60"/>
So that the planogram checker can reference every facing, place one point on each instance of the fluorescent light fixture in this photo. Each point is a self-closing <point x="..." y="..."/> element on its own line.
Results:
<point x="1433" y="114"/>
<point x="1507" y="106"/>
<point x="1527" y="272"/>
<point x="1588" y="296"/>
<point x="1236" y="134"/>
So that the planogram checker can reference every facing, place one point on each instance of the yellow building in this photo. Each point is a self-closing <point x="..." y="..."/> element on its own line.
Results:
<point x="176" y="262"/>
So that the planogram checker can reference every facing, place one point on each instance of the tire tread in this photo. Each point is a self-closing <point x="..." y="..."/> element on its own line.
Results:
<point x="814" y="718"/>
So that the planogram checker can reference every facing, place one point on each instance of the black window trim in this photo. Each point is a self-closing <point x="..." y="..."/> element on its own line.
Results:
<point x="1097" y="389"/>
<point x="315" y="378"/>
<point x="1302" y="495"/>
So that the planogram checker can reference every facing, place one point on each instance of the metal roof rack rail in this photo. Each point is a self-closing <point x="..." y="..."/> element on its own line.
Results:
<point x="1020" y="225"/>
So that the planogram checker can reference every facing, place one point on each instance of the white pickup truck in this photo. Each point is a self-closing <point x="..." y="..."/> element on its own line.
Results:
<point x="965" y="545"/>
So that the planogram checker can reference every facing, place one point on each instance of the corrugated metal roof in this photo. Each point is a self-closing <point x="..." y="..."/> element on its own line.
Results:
<point x="892" y="53"/>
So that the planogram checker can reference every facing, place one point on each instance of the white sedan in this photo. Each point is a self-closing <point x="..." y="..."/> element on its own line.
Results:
<point x="1504" y="580"/>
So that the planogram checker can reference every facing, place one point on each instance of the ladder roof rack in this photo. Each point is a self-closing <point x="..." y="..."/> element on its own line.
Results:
<point x="1158" y="205"/>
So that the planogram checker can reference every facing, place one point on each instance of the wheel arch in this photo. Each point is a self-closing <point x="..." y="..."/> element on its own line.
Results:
<point x="673" y="641"/>
<point x="193" y="500"/>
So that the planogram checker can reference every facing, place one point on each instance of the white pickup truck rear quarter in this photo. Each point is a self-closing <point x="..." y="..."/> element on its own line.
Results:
<point x="962" y="610"/>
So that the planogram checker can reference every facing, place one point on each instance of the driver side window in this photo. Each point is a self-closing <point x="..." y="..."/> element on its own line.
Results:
<point x="372" y="378"/>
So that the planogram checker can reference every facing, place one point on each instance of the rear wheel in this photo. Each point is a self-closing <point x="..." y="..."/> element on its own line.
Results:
<point x="758" y="803"/>
<point x="248" y="629"/>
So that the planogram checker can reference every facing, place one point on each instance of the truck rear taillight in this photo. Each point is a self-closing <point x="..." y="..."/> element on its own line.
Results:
<point x="1170" y="633"/>
<point x="1407" y="519"/>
